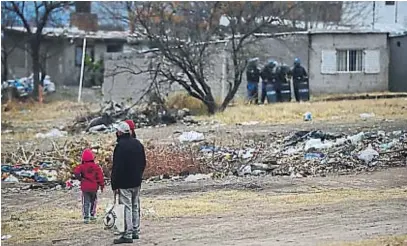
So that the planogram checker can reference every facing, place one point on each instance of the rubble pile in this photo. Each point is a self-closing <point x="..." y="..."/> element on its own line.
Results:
<point x="310" y="153"/>
<point x="53" y="168"/>
<point x="142" y="115"/>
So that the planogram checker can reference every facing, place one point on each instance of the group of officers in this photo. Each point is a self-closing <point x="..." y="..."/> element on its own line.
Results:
<point x="274" y="78"/>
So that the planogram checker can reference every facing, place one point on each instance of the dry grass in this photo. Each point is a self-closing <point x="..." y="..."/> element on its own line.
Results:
<point x="328" y="96"/>
<point x="33" y="111"/>
<point x="182" y="100"/>
<point x="400" y="240"/>
<point x="49" y="222"/>
<point x="321" y="111"/>
<point x="44" y="223"/>
<point x="223" y="201"/>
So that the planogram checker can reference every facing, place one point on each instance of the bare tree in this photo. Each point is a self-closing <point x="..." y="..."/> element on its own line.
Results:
<point x="44" y="13"/>
<point x="186" y="34"/>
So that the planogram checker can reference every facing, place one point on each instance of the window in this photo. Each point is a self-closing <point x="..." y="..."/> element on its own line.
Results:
<point x="349" y="60"/>
<point x="111" y="48"/>
<point x="389" y="3"/>
<point x="90" y="51"/>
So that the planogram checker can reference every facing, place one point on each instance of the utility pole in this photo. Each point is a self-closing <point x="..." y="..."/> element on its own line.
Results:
<point x="374" y="14"/>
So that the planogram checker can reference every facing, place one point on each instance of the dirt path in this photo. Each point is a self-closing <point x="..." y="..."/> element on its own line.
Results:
<point x="234" y="211"/>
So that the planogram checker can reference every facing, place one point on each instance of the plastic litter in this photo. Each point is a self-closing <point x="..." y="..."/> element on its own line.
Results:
<point x="244" y="170"/>
<point x="368" y="155"/>
<point x="312" y="156"/>
<point x="11" y="179"/>
<point x="54" y="133"/>
<point x="317" y="144"/>
<point x="366" y="116"/>
<point x="5" y="237"/>
<point x="307" y="116"/>
<point x="191" y="136"/>
<point x="196" y="177"/>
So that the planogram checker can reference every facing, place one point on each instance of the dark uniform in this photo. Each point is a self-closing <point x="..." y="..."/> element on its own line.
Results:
<point x="299" y="75"/>
<point x="270" y="74"/>
<point x="253" y="78"/>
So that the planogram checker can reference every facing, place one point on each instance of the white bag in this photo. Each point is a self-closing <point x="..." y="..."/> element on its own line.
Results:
<point x="114" y="218"/>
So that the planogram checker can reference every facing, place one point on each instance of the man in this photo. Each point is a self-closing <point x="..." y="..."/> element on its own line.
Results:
<point x="299" y="75"/>
<point x="129" y="162"/>
<point x="136" y="224"/>
<point x="132" y="127"/>
<point x="269" y="74"/>
<point x="253" y="78"/>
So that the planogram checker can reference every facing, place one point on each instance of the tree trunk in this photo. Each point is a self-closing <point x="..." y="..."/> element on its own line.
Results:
<point x="4" y="76"/>
<point x="212" y="107"/>
<point x="35" y="57"/>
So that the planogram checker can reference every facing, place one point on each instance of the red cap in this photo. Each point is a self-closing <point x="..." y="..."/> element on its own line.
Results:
<point x="131" y="124"/>
<point x="87" y="155"/>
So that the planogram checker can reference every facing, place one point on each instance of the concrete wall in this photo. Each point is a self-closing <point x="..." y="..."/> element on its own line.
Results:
<point x="398" y="63"/>
<point x="60" y="63"/>
<point x="123" y="86"/>
<point x="347" y="82"/>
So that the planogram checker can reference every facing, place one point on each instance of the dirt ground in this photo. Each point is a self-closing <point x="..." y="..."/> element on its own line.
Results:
<point x="364" y="209"/>
<point x="232" y="211"/>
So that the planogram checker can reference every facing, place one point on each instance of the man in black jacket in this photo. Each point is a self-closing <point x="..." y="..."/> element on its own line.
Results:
<point x="129" y="162"/>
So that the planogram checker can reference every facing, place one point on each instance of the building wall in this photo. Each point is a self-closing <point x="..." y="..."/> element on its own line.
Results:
<point x="398" y="63"/>
<point x="345" y="82"/>
<point x="60" y="65"/>
<point x="124" y="86"/>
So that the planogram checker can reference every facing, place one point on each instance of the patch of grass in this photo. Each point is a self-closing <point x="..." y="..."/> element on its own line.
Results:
<point x="33" y="111"/>
<point x="400" y="240"/>
<point x="182" y="100"/>
<point x="224" y="201"/>
<point x="321" y="111"/>
<point x="43" y="224"/>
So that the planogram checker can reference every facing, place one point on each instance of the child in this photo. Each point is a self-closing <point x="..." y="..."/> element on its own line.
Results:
<point x="91" y="176"/>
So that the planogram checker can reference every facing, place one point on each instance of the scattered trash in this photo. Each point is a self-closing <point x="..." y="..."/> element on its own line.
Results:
<point x="249" y="123"/>
<point x="317" y="144"/>
<point x="368" y="155"/>
<point x="311" y="156"/>
<point x="54" y="133"/>
<point x="5" y="237"/>
<point x="11" y="179"/>
<point x="196" y="177"/>
<point x="308" y="116"/>
<point x="366" y="116"/>
<point x="191" y="137"/>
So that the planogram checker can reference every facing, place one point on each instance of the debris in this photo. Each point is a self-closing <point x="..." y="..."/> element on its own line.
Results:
<point x="196" y="177"/>
<point x="191" y="136"/>
<point x="5" y="237"/>
<point x="54" y="133"/>
<point x="249" y="123"/>
<point x="312" y="156"/>
<point x="244" y="170"/>
<point x="308" y="116"/>
<point x="368" y="155"/>
<point x="11" y="179"/>
<point x="317" y="144"/>
<point x="366" y="116"/>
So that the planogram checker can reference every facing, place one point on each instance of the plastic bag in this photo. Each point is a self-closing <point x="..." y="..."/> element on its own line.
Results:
<point x="114" y="218"/>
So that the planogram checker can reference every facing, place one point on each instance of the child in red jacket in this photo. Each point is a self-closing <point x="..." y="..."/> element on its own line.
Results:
<point x="91" y="176"/>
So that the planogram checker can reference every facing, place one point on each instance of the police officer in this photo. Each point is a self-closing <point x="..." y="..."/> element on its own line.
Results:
<point x="253" y="78"/>
<point x="270" y="74"/>
<point x="299" y="75"/>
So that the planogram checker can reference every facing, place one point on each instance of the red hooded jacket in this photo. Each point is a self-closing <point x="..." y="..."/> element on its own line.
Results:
<point x="89" y="173"/>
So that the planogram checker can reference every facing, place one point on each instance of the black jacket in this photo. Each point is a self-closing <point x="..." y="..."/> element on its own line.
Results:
<point x="252" y="74"/>
<point x="129" y="162"/>
<point x="298" y="72"/>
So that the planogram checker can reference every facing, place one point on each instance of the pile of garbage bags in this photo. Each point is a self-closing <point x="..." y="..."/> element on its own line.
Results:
<point x="23" y="87"/>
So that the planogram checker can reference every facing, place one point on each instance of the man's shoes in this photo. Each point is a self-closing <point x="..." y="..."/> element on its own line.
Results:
<point x="93" y="218"/>
<point x="136" y="236"/>
<point x="86" y="221"/>
<point x="122" y="240"/>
